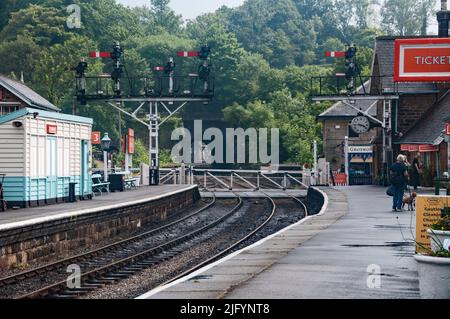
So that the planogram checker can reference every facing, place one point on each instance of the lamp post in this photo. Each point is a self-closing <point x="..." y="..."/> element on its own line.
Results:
<point x="106" y="145"/>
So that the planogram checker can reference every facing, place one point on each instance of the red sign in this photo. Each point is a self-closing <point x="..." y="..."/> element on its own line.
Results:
<point x="447" y="128"/>
<point x="409" y="147"/>
<point x="422" y="60"/>
<point x="130" y="141"/>
<point x="96" y="138"/>
<point x="428" y="148"/>
<point x="340" y="179"/>
<point x="52" y="129"/>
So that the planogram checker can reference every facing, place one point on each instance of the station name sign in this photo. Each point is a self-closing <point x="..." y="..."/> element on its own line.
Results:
<point x="422" y="60"/>
<point x="360" y="149"/>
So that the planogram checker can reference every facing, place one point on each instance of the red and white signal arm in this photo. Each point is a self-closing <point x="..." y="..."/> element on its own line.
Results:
<point x="422" y="60"/>
<point x="130" y="141"/>
<point x="96" y="138"/>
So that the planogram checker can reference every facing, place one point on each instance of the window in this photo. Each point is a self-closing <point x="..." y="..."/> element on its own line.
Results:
<point x="351" y="133"/>
<point x="6" y="109"/>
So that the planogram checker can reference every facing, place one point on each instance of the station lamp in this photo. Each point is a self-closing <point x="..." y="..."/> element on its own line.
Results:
<point x="106" y="146"/>
<point x="106" y="142"/>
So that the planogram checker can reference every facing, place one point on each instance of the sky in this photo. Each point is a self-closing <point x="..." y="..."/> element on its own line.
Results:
<point x="190" y="9"/>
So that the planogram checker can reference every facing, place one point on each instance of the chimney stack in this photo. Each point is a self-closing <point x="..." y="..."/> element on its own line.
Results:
<point x="443" y="18"/>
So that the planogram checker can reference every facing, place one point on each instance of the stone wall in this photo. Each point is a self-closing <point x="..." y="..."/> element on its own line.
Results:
<point x="41" y="242"/>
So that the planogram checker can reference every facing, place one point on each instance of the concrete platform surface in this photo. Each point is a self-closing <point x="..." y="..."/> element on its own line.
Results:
<point x="23" y="217"/>
<point x="357" y="248"/>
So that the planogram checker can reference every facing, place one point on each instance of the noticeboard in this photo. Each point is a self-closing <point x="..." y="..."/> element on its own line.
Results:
<point x="428" y="211"/>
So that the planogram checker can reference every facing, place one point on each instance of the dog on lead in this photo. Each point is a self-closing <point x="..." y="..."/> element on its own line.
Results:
<point x="410" y="201"/>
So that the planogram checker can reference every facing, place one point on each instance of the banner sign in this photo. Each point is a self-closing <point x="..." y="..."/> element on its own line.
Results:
<point x="422" y="60"/>
<point x="428" y="148"/>
<point x="422" y="148"/>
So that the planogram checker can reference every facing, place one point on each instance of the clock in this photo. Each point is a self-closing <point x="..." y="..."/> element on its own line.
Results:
<point x="360" y="124"/>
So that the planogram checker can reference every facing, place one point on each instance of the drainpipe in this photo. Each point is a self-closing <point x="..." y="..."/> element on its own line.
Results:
<point x="443" y="18"/>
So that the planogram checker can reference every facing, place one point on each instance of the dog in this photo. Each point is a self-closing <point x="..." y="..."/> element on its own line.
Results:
<point x="410" y="201"/>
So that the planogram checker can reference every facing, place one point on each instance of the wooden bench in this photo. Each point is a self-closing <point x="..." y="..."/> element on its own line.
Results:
<point x="98" y="185"/>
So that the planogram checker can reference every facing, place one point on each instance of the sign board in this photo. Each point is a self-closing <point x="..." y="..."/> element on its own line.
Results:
<point x="130" y="141"/>
<point x="428" y="148"/>
<point x="422" y="148"/>
<point x="52" y="129"/>
<point x="360" y="149"/>
<point x="422" y="60"/>
<point x="96" y="138"/>
<point x="428" y="212"/>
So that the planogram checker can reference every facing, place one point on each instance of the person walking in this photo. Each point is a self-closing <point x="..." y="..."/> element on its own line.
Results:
<point x="415" y="173"/>
<point x="399" y="175"/>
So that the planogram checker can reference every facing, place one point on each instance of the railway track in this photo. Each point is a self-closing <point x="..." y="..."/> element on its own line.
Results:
<point x="92" y="255"/>
<point x="118" y="261"/>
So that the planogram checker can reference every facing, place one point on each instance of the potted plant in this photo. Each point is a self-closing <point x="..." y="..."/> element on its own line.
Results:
<point x="438" y="233"/>
<point x="434" y="267"/>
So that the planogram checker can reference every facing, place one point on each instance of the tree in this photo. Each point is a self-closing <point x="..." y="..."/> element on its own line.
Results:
<point x="404" y="17"/>
<point x="165" y="17"/>
<point x="42" y="24"/>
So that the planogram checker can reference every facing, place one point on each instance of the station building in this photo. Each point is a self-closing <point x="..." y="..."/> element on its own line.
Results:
<point x="417" y="121"/>
<point x="42" y="150"/>
<point x="335" y="127"/>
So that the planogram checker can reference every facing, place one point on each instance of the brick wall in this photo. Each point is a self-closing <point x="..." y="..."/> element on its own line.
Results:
<point x="334" y="132"/>
<point x="41" y="242"/>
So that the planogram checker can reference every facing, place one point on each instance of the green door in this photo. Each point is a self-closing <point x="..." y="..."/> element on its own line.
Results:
<point x="84" y="178"/>
<point x="51" y="180"/>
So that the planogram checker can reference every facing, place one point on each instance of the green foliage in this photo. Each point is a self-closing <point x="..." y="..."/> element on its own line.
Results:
<point x="263" y="56"/>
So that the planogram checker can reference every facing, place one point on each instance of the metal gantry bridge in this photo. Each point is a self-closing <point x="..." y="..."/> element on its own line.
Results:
<point x="152" y="96"/>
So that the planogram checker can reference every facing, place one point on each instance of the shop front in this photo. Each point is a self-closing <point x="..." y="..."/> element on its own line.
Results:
<point x="360" y="164"/>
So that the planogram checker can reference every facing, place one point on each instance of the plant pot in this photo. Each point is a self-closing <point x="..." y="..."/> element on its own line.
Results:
<point x="434" y="277"/>
<point x="437" y="238"/>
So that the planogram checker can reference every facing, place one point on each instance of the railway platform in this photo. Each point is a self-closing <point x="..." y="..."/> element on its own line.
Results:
<point x="354" y="248"/>
<point x="37" y="234"/>
<point x="36" y="215"/>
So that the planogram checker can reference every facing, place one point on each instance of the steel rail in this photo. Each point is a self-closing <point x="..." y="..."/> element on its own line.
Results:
<point x="71" y="260"/>
<point x="130" y="260"/>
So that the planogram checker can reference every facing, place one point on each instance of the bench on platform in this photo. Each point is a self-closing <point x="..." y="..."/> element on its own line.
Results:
<point x="98" y="185"/>
<point x="130" y="183"/>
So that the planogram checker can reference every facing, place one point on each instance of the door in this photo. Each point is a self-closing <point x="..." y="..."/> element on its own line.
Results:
<point x="52" y="179"/>
<point x="84" y="178"/>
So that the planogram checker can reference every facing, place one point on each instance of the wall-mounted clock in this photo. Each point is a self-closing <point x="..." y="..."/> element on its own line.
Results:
<point x="360" y="124"/>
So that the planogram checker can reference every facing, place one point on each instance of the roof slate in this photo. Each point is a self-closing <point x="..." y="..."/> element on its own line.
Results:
<point x="340" y="110"/>
<point x="430" y="127"/>
<point x="385" y="54"/>
<point x="23" y="92"/>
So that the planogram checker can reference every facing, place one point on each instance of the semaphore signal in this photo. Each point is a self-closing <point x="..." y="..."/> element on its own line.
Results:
<point x="188" y="54"/>
<point x="335" y="54"/>
<point x="101" y="54"/>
